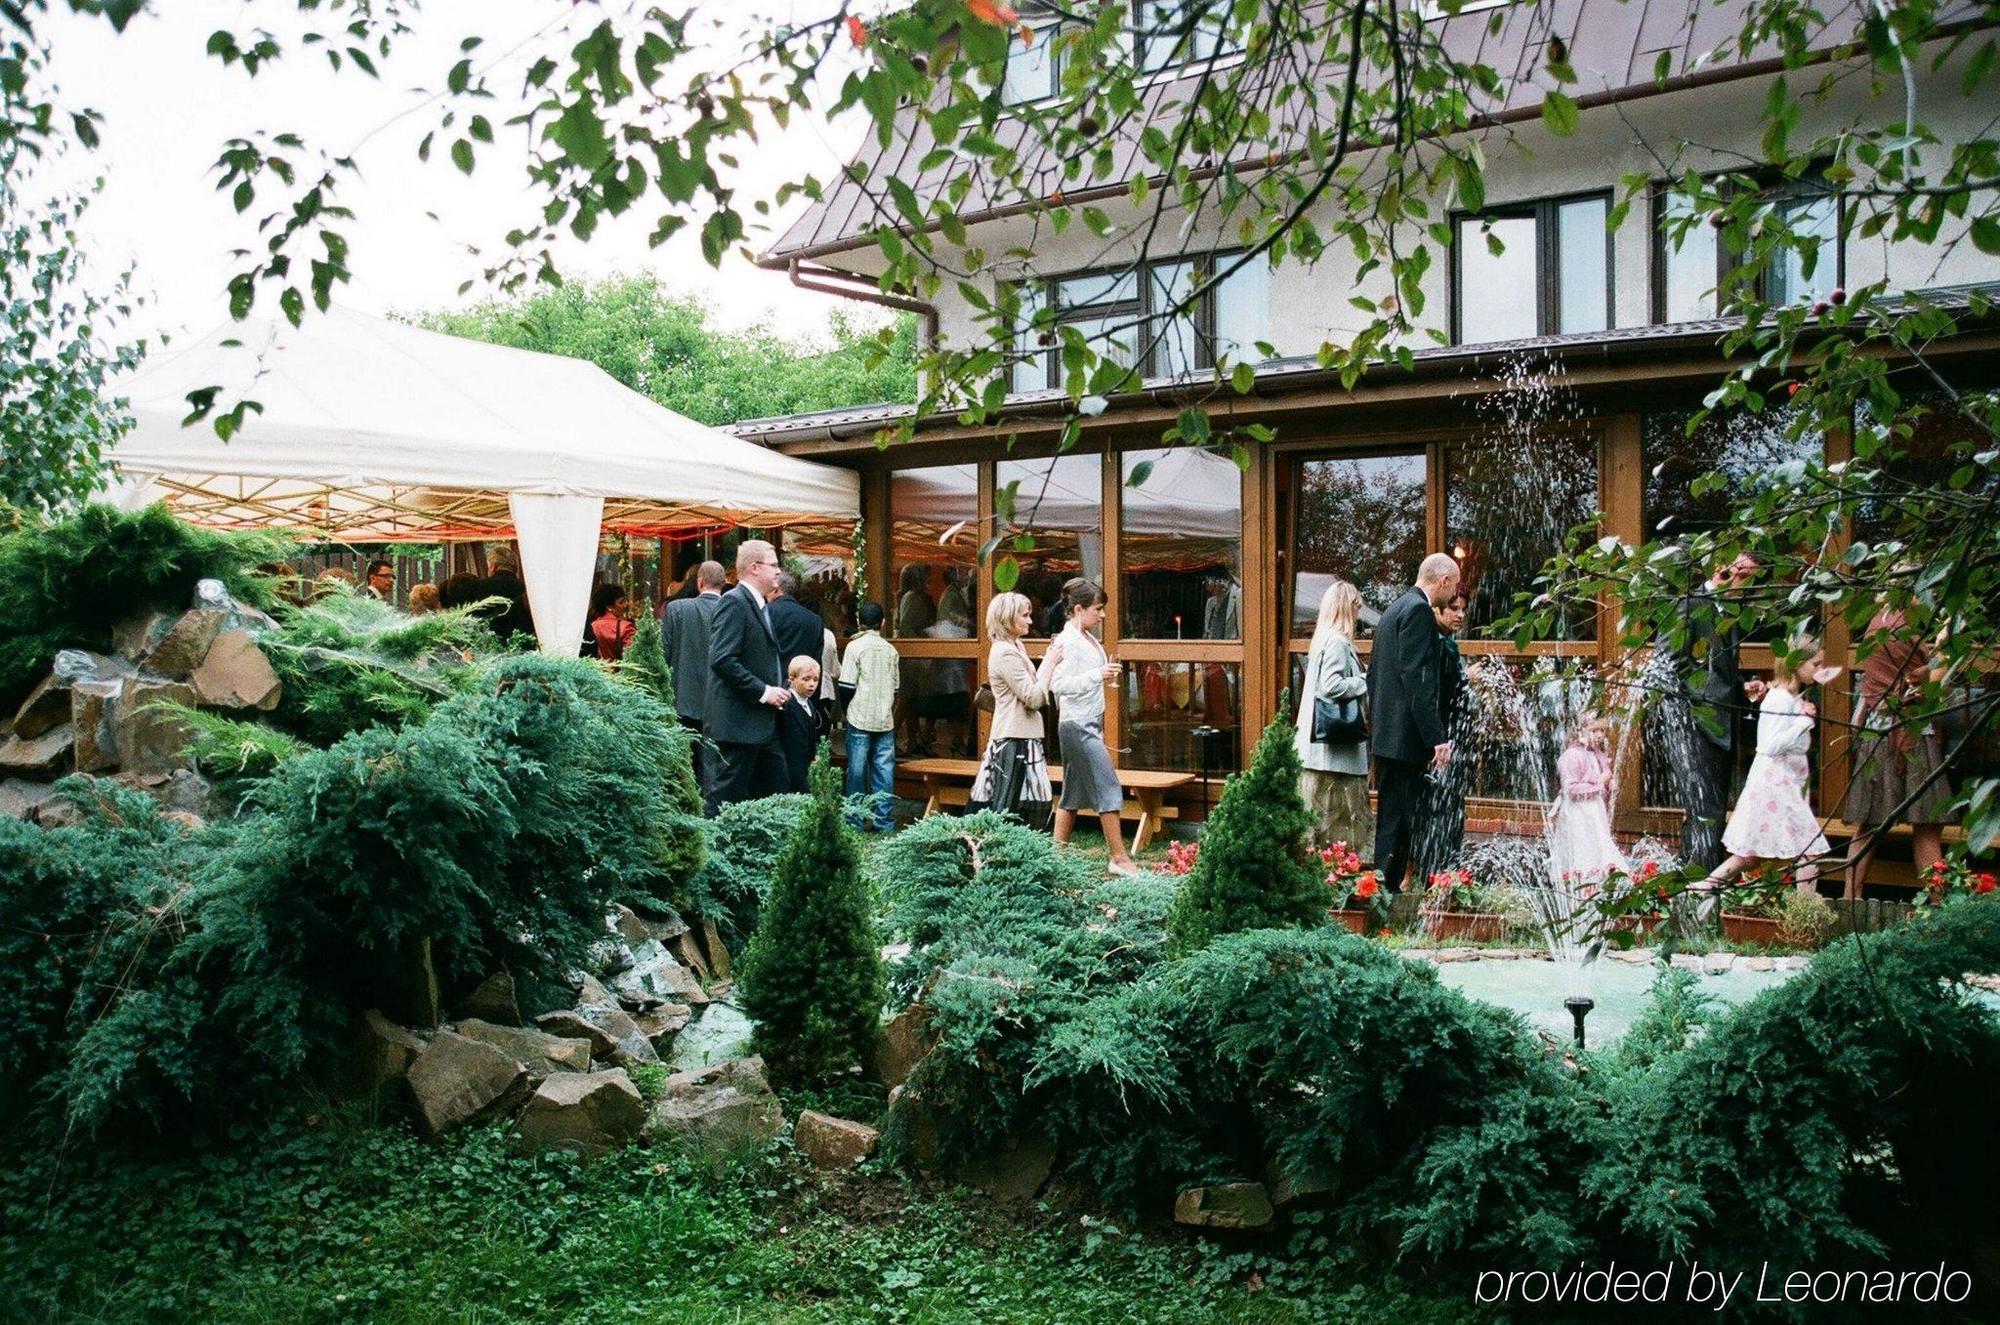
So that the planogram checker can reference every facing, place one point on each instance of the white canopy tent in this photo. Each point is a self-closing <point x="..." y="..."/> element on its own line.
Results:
<point x="368" y="431"/>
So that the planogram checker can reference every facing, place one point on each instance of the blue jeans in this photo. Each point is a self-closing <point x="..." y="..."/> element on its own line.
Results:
<point x="871" y="772"/>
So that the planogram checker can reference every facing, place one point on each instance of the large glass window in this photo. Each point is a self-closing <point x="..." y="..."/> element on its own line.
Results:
<point x="1182" y="716"/>
<point x="1361" y="519"/>
<point x="934" y="513"/>
<point x="1058" y="507"/>
<point x="1143" y="315"/>
<point x="1510" y="502"/>
<point x="1738" y="445"/>
<point x="1180" y="544"/>
<point x="1535" y="269"/>
<point x="1930" y="439"/>
<point x="1176" y="32"/>
<point x="1689" y="260"/>
<point x="1160" y="34"/>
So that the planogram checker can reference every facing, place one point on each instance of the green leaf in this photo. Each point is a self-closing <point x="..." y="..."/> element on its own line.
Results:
<point x="1140" y="473"/>
<point x="461" y="155"/>
<point x="1006" y="574"/>
<point x="1986" y="234"/>
<point x="1559" y="113"/>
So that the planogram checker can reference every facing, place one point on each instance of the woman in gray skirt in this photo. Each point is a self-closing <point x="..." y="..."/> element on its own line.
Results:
<point x="1077" y="677"/>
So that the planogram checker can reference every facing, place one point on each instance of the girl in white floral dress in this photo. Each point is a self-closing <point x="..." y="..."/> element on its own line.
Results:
<point x="1772" y="821"/>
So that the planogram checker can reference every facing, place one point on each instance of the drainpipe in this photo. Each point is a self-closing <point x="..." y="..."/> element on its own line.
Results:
<point x="825" y="280"/>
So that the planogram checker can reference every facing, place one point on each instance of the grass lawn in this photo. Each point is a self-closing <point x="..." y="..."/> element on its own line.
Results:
<point x="339" y="1217"/>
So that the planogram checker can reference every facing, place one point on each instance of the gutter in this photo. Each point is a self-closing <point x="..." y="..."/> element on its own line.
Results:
<point x="845" y="285"/>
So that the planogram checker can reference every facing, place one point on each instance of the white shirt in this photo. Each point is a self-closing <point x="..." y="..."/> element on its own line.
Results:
<point x="1078" y="680"/>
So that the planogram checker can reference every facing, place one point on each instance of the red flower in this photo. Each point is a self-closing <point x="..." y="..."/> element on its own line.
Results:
<point x="1368" y="888"/>
<point x="1937" y="867"/>
<point x="857" y="32"/>
<point x="1350" y="862"/>
<point x="1985" y="883"/>
<point x="1649" y="869"/>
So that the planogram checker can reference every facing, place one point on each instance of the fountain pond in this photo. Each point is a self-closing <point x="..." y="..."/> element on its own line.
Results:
<point x="1536" y="990"/>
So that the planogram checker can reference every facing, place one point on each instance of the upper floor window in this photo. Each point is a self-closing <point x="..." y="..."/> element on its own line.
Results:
<point x="1135" y="316"/>
<point x="1690" y="260"/>
<point x="1532" y="269"/>
<point x="1158" y="34"/>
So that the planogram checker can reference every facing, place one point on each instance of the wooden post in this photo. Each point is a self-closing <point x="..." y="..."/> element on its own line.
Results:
<point x="1836" y="709"/>
<point x="1263" y="637"/>
<point x="1621" y="476"/>
<point x="1112" y="522"/>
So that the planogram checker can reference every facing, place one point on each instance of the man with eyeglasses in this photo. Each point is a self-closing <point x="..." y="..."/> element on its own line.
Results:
<point x="747" y="688"/>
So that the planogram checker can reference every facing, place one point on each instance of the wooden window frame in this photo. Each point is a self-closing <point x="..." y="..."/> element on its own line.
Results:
<point x="1546" y="214"/>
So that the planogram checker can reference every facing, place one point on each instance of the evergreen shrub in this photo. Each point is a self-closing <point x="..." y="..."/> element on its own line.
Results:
<point x="349" y="662"/>
<point x="1256" y="869"/>
<point x="741" y="847"/>
<point x="812" y="978"/>
<point x="684" y="843"/>
<point x="65" y="583"/>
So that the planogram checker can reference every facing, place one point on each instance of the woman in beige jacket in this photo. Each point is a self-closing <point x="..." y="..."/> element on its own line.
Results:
<point x="1014" y="772"/>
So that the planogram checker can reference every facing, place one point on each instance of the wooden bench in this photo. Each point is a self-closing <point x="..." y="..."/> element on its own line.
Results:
<point x="949" y="782"/>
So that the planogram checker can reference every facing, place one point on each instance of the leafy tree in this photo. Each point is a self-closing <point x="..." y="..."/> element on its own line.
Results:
<point x="1255" y="869"/>
<point x="813" y="975"/>
<point x="662" y="345"/>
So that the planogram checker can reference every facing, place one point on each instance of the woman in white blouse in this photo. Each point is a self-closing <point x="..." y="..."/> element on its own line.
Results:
<point x="1077" y="674"/>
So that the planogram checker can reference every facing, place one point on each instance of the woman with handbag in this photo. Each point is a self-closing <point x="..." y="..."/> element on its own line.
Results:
<point x="1078" y="672"/>
<point x="1332" y="735"/>
<point x="1014" y="773"/>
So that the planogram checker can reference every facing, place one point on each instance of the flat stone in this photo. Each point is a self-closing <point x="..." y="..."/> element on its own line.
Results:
<point x="833" y="1143"/>
<point x="185" y="644"/>
<point x="1686" y="961"/>
<point x="93" y="708"/>
<point x="1716" y="963"/>
<point x="541" y="1052"/>
<point x="45" y="757"/>
<point x="573" y="1025"/>
<point x="493" y="1001"/>
<point x="718" y="1111"/>
<point x="1635" y="956"/>
<point x="1455" y="954"/>
<point x="617" y="1037"/>
<point x="46" y="706"/>
<point x="382" y="1055"/>
<point x="585" y="1112"/>
<point x="20" y="799"/>
<point x="458" y="1080"/>
<point x="235" y="674"/>
<point x="1225" y="1205"/>
<point x="901" y="1044"/>
<point x="1757" y="964"/>
<point x="148" y="739"/>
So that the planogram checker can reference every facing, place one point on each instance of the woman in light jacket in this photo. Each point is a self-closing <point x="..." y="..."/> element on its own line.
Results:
<point x="1014" y="772"/>
<point x="1079" y="671"/>
<point x="1335" y="780"/>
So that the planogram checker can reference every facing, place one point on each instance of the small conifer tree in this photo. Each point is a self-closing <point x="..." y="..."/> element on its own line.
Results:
<point x="813" y="976"/>
<point x="684" y="846"/>
<point x="1255" y="870"/>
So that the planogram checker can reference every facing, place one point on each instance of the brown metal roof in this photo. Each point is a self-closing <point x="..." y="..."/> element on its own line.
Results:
<point x="1613" y="45"/>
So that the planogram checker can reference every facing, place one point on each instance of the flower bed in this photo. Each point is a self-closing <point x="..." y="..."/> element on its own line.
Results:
<point x="1355" y="892"/>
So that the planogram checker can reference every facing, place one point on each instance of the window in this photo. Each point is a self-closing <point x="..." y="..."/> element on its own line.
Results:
<point x="1059" y="502"/>
<point x="1159" y="34"/>
<point x="1180" y="537"/>
<point x="1127" y="316"/>
<point x="1360" y="519"/>
<point x="1690" y="259"/>
<point x="1181" y="717"/>
<point x="1535" y="269"/>
<point x="934" y="515"/>
<point x="1737" y="444"/>
<point x="1509" y="503"/>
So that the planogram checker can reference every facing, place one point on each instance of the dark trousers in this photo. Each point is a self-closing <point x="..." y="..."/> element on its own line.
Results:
<point x="1708" y="782"/>
<point x="704" y="763"/>
<point x="748" y="772"/>
<point x="1400" y="790"/>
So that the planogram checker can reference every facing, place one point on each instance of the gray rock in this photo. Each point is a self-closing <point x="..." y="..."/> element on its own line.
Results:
<point x="45" y="757"/>
<point x="46" y="706"/>
<point x="655" y="978"/>
<point x="585" y="1112"/>
<point x="901" y="1044"/>
<point x="235" y="674"/>
<point x="458" y="1080"/>
<point x="1686" y="961"/>
<point x="606" y="957"/>
<point x="93" y="706"/>
<point x="20" y="799"/>
<point x="718" y="1111"/>
<point x="493" y="1000"/>
<point x="383" y="1052"/>
<point x="1225" y="1205"/>
<point x="186" y="643"/>
<point x="833" y="1143"/>
<point x="662" y="1024"/>
<point x="1715" y="963"/>
<point x="541" y="1052"/>
<point x="575" y="1026"/>
<point x="616" y="1036"/>
<point x="150" y="740"/>
<point x="1758" y="964"/>
<point x="213" y="594"/>
<point x="185" y="791"/>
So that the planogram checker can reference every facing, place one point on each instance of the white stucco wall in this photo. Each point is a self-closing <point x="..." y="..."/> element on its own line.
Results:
<point x="1308" y="305"/>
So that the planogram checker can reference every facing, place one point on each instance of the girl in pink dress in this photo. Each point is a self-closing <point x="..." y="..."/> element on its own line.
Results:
<point x="1772" y="820"/>
<point x="1581" y="849"/>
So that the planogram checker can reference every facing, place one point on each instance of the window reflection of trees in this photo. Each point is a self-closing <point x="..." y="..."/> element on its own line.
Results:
<point x="1361" y="519"/>
<point x="1509" y="507"/>
<point x="1738" y="445"/>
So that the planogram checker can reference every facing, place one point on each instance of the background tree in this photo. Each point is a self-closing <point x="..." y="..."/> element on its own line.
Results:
<point x="813" y="976"/>
<point x="664" y="346"/>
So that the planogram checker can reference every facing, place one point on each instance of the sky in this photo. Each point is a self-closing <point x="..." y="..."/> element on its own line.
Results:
<point x="169" y="107"/>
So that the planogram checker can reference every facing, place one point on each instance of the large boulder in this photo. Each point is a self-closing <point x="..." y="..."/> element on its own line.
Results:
<point x="718" y="951"/>
<point x="150" y="739"/>
<point x="542" y="1053"/>
<point x="186" y="642"/>
<point x="235" y="674"/>
<point x="833" y="1143"/>
<point x="586" y="1112"/>
<point x="718" y="1111"/>
<point x="20" y="799"/>
<point x="458" y="1080"/>
<point x="901" y="1044"/>
<point x="134" y="637"/>
<point x="213" y="594"/>
<point x="46" y="706"/>
<point x="654" y="978"/>
<point x="1224" y="1205"/>
<point x="41" y="758"/>
<point x="93" y="708"/>
<point x="382" y="1054"/>
<point x="493" y="1000"/>
<point x="662" y="1024"/>
<point x="609" y="1028"/>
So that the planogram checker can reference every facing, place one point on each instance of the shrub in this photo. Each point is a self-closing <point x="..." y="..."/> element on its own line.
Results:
<point x="1256" y="865"/>
<point x="684" y="843"/>
<point x="349" y="662"/>
<point x="812" y="978"/>
<point x="64" y="584"/>
<point x="741" y="844"/>
<point x="1805" y="920"/>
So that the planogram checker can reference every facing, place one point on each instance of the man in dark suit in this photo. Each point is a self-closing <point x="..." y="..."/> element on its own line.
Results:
<point x="684" y="629"/>
<point x="1707" y="668"/>
<point x="746" y="682"/>
<point x="1405" y="725"/>
<point x="798" y="628"/>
